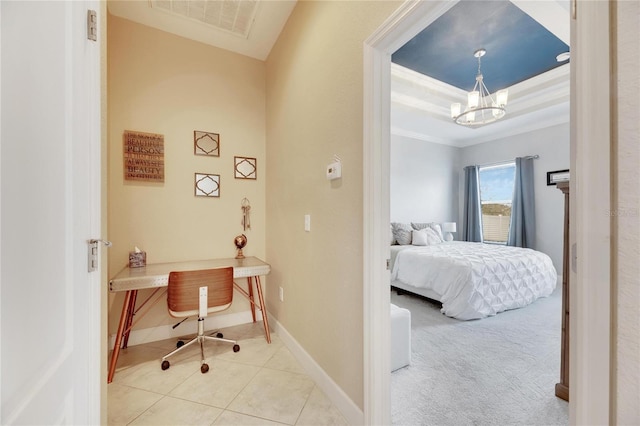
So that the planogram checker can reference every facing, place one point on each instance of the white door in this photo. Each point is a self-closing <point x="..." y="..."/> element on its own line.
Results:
<point x="49" y="208"/>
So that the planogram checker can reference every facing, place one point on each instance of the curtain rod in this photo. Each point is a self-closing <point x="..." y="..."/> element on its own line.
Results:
<point x="535" y="157"/>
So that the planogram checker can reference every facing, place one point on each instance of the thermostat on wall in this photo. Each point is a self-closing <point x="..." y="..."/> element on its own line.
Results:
<point x="334" y="170"/>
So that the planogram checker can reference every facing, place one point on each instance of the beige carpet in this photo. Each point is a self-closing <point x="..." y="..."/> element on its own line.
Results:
<point x="495" y="371"/>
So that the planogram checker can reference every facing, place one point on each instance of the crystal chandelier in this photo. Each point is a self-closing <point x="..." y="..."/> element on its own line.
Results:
<point x="481" y="107"/>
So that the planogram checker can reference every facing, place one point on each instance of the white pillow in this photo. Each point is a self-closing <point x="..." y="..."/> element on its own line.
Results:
<point x="418" y="238"/>
<point x="434" y="226"/>
<point x="401" y="233"/>
<point x="425" y="237"/>
<point x="432" y="236"/>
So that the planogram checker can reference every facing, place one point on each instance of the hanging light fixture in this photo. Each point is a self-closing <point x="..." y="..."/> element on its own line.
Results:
<point x="481" y="107"/>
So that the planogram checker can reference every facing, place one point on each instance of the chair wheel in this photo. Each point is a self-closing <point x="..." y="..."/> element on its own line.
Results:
<point x="204" y="368"/>
<point x="219" y="335"/>
<point x="236" y="348"/>
<point x="179" y="344"/>
<point x="165" y="365"/>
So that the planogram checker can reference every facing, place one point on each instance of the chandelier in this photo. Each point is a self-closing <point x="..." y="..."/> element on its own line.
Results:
<point x="481" y="107"/>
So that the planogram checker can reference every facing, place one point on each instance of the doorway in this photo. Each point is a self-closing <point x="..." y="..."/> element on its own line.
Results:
<point x="589" y="357"/>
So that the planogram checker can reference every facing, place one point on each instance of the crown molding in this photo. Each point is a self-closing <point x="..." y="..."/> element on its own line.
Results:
<point x="423" y="102"/>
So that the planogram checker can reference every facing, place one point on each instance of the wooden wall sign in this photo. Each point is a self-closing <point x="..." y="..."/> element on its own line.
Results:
<point x="143" y="156"/>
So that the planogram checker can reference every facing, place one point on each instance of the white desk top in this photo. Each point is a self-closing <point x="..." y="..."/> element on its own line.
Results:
<point x="157" y="274"/>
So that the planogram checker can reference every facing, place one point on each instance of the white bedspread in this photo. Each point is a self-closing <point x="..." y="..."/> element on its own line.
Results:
<point x="477" y="280"/>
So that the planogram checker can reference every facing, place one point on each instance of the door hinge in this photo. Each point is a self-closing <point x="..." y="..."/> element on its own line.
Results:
<point x="92" y="25"/>
<point x="574" y="9"/>
<point x="93" y="253"/>
<point x="388" y="264"/>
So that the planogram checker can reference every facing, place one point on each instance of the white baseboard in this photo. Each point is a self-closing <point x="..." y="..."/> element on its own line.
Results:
<point x="153" y="334"/>
<point x="351" y="412"/>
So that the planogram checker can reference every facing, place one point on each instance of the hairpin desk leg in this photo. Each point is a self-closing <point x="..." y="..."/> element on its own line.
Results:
<point x="126" y="306"/>
<point x="263" y="310"/>
<point x="251" y="300"/>
<point x="132" y="311"/>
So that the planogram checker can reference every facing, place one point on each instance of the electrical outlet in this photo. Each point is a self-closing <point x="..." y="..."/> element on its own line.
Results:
<point x="307" y="222"/>
<point x="281" y="294"/>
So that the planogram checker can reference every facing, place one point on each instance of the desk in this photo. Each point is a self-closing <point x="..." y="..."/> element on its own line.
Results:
<point x="156" y="276"/>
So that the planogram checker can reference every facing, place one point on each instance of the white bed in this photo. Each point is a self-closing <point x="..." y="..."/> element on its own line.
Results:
<point x="473" y="280"/>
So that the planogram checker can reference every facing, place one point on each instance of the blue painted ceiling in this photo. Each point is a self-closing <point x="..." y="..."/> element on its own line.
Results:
<point x="517" y="46"/>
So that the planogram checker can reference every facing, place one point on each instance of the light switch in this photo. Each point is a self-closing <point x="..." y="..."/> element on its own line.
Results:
<point x="307" y="222"/>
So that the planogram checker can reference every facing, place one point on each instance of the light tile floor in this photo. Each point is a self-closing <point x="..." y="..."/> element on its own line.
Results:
<point x="261" y="385"/>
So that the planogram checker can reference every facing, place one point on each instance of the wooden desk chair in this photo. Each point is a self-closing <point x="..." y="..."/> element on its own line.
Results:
<point x="199" y="293"/>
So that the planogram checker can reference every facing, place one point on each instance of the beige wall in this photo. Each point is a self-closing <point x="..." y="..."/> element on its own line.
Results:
<point x="161" y="83"/>
<point x="626" y="215"/>
<point x="314" y="110"/>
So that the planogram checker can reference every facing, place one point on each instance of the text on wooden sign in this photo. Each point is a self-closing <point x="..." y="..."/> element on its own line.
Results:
<point x="143" y="156"/>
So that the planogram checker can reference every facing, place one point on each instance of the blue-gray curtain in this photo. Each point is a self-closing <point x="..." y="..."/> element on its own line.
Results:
<point x="522" y="229"/>
<point x="472" y="221"/>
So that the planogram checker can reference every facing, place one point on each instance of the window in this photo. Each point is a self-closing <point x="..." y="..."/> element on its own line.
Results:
<point x="496" y="194"/>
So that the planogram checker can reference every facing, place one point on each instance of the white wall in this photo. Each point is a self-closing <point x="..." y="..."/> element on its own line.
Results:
<point x="427" y="180"/>
<point x="424" y="181"/>
<point x="552" y="145"/>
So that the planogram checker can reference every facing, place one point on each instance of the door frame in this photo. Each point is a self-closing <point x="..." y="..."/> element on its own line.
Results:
<point x="590" y="302"/>
<point x="590" y="220"/>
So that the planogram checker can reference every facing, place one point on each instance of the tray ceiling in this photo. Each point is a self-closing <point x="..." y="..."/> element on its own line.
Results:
<point x="437" y="68"/>
<point x="518" y="47"/>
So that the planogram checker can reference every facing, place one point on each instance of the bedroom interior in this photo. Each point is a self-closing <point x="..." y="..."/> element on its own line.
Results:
<point x="428" y="154"/>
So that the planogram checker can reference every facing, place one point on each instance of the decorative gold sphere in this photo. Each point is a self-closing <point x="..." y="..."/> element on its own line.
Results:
<point x="240" y="241"/>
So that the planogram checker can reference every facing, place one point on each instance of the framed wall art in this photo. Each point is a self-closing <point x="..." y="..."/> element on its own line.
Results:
<point x="557" y="176"/>
<point x="207" y="185"/>
<point x="143" y="156"/>
<point x="206" y="143"/>
<point x="245" y="168"/>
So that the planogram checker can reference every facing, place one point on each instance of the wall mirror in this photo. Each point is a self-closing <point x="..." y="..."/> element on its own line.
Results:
<point x="245" y="168"/>
<point x="206" y="143"/>
<point x="207" y="185"/>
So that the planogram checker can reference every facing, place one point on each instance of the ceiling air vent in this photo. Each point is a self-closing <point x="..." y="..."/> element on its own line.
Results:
<point x="234" y="16"/>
